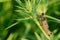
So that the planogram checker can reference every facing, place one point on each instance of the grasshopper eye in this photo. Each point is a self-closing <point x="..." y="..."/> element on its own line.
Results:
<point x="42" y="13"/>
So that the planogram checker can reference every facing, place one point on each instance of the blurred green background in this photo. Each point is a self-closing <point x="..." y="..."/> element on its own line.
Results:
<point x="19" y="19"/>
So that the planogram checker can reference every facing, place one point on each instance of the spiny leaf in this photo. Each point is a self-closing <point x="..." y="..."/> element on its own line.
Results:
<point x="37" y="36"/>
<point x="53" y="18"/>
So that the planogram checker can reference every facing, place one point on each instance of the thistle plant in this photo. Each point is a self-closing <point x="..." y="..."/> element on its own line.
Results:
<point x="21" y="19"/>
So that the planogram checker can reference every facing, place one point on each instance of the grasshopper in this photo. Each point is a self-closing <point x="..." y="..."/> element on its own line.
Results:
<point x="45" y="24"/>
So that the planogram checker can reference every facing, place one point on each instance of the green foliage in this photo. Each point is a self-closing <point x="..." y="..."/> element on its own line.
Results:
<point x="19" y="19"/>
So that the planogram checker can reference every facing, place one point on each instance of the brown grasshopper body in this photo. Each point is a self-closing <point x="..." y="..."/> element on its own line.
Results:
<point x="44" y="24"/>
